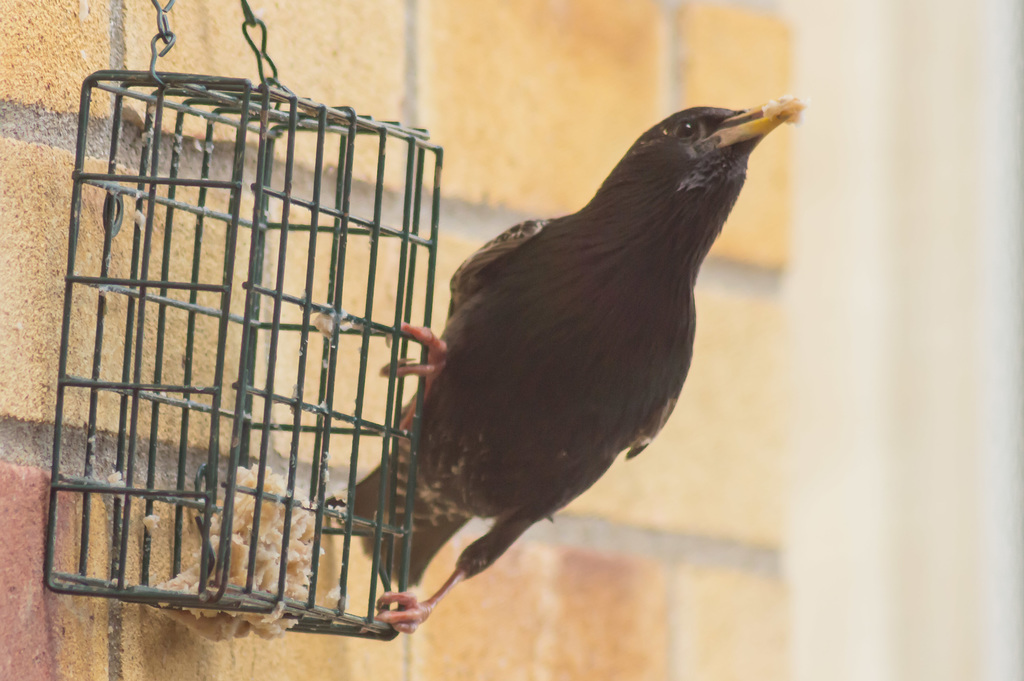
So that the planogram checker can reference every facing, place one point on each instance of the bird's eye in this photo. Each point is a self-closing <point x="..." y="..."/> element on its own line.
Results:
<point x="688" y="131"/>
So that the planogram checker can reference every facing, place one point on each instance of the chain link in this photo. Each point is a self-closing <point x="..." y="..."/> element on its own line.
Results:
<point x="164" y="33"/>
<point x="259" y="47"/>
<point x="253" y="21"/>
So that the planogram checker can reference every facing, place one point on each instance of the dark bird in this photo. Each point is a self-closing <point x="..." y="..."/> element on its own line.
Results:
<point x="567" y="343"/>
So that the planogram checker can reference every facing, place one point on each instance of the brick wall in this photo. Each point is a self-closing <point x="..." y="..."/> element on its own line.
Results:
<point x="670" y="567"/>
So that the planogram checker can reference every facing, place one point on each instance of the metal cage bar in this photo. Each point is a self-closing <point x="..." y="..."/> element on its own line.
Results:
<point x="178" y="351"/>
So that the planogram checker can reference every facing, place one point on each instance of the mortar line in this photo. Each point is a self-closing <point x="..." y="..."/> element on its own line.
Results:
<point x="673" y="627"/>
<point x="677" y="547"/>
<point x="35" y="125"/>
<point x="115" y="623"/>
<point x="117" y="37"/>
<point x="758" y="5"/>
<point x="740" y="278"/>
<point x="410" y="101"/>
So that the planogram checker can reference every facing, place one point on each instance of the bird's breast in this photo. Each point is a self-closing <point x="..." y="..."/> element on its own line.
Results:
<point x="541" y="392"/>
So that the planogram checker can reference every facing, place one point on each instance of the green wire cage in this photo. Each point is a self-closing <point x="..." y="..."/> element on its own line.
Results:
<point x="239" y="267"/>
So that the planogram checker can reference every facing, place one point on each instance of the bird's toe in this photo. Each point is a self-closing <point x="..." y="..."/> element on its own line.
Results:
<point x="404" y="599"/>
<point x="410" y="615"/>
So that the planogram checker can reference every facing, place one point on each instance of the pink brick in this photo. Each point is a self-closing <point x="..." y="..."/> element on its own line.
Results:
<point x="27" y="635"/>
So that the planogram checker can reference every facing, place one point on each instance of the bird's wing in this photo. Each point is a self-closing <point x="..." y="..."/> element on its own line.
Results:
<point x="651" y="429"/>
<point x="470" y="276"/>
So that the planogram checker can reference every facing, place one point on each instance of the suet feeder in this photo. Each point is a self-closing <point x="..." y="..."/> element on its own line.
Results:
<point x="226" y="310"/>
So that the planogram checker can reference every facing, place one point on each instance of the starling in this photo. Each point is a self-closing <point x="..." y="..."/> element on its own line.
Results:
<point x="567" y="343"/>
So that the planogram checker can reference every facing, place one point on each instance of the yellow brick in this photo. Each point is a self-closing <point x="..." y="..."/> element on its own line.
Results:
<point x="737" y="58"/>
<point x="534" y="103"/>
<point x="81" y="652"/>
<point x="545" y="612"/>
<point x="35" y="195"/>
<point x="732" y="626"/>
<point x="612" y="617"/>
<point x="154" y="648"/>
<point x="48" y="50"/>
<point x="499" y="625"/>
<point x="336" y="52"/>
<point x="717" y="467"/>
<point x="346" y="53"/>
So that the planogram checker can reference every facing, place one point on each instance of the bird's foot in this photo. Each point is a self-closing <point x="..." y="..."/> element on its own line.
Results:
<point x="437" y="354"/>
<point x="413" y="612"/>
<point x="410" y="615"/>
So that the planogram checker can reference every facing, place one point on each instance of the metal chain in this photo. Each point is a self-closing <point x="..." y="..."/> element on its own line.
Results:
<point x="251" y="20"/>
<point x="164" y="33"/>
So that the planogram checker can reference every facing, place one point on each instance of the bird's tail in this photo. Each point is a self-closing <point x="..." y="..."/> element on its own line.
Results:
<point x="429" y="534"/>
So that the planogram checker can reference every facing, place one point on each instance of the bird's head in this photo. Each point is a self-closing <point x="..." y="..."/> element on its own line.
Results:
<point x="704" y="146"/>
<point x="692" y="165"/>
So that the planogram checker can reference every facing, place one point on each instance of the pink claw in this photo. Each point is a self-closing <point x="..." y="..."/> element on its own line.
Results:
<point x="409" y="617"/>
<point x="437" y="355"/>
<point x="413" y="612"/>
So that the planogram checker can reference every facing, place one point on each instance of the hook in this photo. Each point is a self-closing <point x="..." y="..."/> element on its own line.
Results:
<point x="113" y="211"/>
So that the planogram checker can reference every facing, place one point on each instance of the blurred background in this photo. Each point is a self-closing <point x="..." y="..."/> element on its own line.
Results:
<point x="839" y="494"/>
<point x="905" y="301"/>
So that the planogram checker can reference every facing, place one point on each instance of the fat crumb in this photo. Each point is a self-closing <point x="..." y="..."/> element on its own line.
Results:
<point x="274" y="614"/>
<point x="786" y="107"/>
<point x="324" y="323"/>
<point x="334" y="599"/>
<point x="221" y="626"/>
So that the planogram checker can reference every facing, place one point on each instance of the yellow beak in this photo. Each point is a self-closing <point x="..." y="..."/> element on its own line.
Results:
<point x="759" y="121"/>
